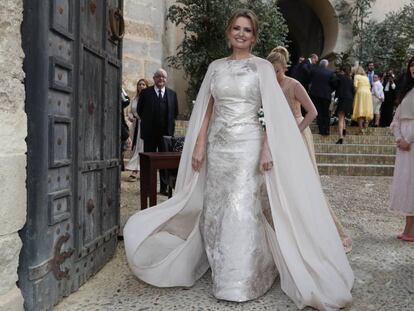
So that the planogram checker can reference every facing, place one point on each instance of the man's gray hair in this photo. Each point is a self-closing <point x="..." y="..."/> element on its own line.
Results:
<point x="324" y="63"/>
<point x="161" y="71"/>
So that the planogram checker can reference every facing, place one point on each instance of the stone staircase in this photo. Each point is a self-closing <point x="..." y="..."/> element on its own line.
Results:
<point x="372" y="154"/>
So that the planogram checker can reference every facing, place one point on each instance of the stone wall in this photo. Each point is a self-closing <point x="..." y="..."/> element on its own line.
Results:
<point x="143" y="50"/>
<point x="148" y="40"/>
<point x="13" y="130"/>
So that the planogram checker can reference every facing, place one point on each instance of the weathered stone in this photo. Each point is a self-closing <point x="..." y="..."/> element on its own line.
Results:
<point x="12" y="193"/>
<point x="9" y="258"/>
<point x="138" y="11"/>
<point x="12" y="300"/>
<point x="139" y="30"/>
<point x="13" y="130"/>
<point x="136" y="49"/>
<point x="156" y="50"/>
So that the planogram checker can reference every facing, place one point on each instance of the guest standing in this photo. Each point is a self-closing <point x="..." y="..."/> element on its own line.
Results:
<point x="303" y="71"/>
<point x="345" y="95"/>
<point x="377" y="91"/>
<point x="157" y="108"/>
<point x="297" y="98"/>
<point x="323" y="82"/>
<point x="387" y="107"/>
<point x="137" y="142"/>
<point x="362" y="101"/>
<point x="402" y="194"/>
<point x="371" y="72"/>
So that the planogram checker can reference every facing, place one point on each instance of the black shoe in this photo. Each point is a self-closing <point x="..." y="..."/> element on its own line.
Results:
<point x="164" y="192"/>
<point x="340" y="141"/>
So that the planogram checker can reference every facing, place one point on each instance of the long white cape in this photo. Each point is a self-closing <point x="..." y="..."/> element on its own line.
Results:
<point x="163" y="243"/>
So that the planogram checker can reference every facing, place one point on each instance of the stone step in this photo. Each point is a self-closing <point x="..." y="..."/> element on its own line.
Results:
<point x="341" y="158"/>
<point x="355" y="169"/>
<point x="355" y="149"/>
<point x="356" y="139"/>
<point x="352" y="130"/>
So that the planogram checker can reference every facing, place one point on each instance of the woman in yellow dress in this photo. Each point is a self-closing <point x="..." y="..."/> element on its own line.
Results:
<point x="297" y="97"/>
<point x="363" y="110"/>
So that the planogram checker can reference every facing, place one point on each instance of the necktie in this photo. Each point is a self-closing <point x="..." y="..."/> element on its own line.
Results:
<point x="160" y="95"/>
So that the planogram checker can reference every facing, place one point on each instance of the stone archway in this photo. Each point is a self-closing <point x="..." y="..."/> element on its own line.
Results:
<point x="313" y="27"/>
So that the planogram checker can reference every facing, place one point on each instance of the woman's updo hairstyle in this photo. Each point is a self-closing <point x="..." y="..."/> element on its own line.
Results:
<point x="247" y="14"/>
<point x="279" y="55"/>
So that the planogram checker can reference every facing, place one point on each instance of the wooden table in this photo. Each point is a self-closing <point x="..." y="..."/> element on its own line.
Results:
<point x="149" y="163"/>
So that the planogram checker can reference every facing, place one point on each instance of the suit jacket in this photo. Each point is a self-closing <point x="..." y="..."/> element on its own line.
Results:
<point x="323" y="82"/>
<point x="302" y="73"/>
<point x="147" y="111"/>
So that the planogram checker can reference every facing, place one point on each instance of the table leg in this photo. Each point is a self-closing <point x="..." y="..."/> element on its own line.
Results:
<point x="152" y="184"/>
<point x="144" y="183"/>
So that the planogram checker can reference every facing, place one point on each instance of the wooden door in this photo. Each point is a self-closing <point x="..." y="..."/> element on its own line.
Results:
<point x="73" y="83"/>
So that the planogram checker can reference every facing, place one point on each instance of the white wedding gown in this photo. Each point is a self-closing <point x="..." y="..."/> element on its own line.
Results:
<point x="168" y="245"/>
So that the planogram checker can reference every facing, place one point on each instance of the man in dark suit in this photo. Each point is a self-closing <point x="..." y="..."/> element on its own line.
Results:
<point x="323" y="82"/>
<point x="157" y="107"/>
<point x="304" y="69"/>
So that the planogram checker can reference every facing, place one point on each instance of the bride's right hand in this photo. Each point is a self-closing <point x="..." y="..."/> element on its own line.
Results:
<point x="198" y="156"/>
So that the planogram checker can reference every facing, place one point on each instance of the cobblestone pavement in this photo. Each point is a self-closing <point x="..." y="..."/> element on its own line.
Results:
<point x="383" y="265"/>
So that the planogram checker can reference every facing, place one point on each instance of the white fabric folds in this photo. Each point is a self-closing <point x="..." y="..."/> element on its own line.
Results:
<point x="163" y="243"/>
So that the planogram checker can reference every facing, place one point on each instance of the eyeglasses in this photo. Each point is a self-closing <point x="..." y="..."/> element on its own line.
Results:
<point x="160" y="76"/>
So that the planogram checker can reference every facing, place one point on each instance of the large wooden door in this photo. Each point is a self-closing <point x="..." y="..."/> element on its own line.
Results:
<point x="73" y="82"/>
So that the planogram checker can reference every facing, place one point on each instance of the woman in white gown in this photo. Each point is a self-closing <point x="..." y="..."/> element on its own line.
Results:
<point x="226" y="179"/>
<point x="137" y="142"/>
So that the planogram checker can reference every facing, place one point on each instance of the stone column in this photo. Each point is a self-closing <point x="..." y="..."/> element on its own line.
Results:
<point x="13" y="130"/>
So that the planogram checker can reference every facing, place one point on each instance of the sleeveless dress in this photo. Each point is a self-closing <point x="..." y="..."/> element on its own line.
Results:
<point x="242" y="264"/>
<point x="288" y="88"/>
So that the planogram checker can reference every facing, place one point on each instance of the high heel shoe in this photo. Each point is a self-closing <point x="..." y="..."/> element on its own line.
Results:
<point x="407" y="238"/>
<point x="340" y="141"/>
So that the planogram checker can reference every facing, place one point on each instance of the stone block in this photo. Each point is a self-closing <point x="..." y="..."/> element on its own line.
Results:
<point x="12" y="300"/>
<point x="11" y="53"/>
<point x="12" y="193"/>
<point x="136" y="49"/>
<point x="9" y="259"/>
<point x="156" y="51"/>
<point x="134" y="29"/>
<point x="137" y="11"/>
<point x="13" y="124"/>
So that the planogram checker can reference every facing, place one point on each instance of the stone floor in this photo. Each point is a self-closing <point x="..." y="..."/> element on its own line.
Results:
<point x="383" y="265"/>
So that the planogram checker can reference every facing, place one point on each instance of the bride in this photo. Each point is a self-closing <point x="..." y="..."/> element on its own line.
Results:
<point x="241" y="207"/>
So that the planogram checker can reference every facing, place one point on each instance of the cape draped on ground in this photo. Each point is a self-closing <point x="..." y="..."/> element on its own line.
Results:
<point x="164" y="246"/>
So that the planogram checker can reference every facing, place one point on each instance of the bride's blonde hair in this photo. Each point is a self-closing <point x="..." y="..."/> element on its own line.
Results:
<point x="279" y="55"/>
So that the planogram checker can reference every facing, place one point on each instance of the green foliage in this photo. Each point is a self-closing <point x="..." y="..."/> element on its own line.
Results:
<point x="204" y="22"/>
<point x="357" y="15"/>
<point x="389" y="43"/>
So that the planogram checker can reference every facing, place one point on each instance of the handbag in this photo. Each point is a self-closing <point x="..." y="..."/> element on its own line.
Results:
<point x="177" y="143"/>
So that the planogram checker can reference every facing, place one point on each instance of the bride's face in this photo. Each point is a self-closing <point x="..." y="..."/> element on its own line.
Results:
<point x="241" y="34"/>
